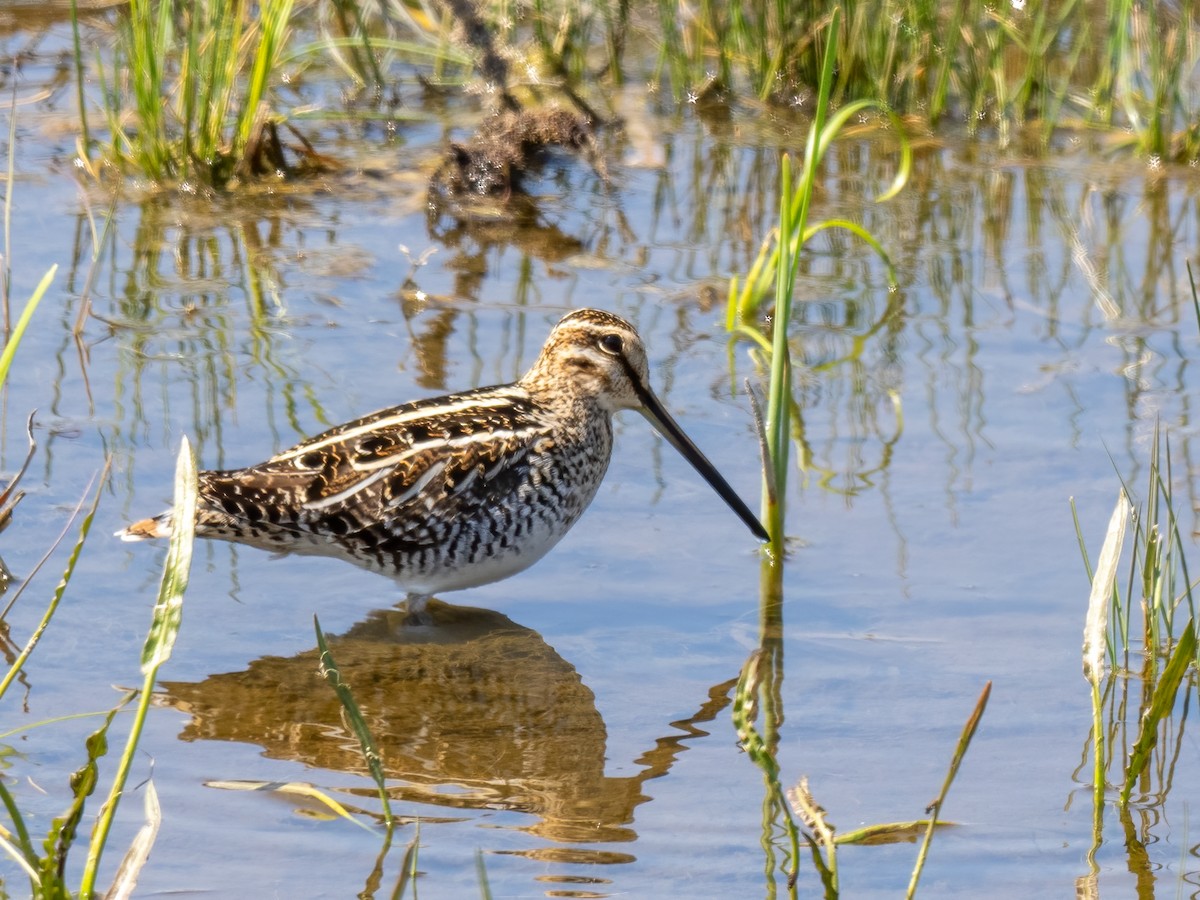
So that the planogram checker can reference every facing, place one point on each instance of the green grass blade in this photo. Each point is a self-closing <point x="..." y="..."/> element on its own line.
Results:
<point x="164" y="627"/>
<point x="84" y="528"/>
<point x="14" y="339"/>
<point x="1161" y="704"/>
<point x="889" y="832"/>
<point x="485" y="890"/>
<point x="1087" y="562"/>
<point x="53" y="720"/>
<point x="272" y="36"/>
<point x="410" y="48"/>
<point x="861" y="233"/>
<point x="777" y="417"/>
<point x="22" y="851"/>
<point x="370" y="751"/>
<point x="168" y="611"/>
<point x="935" y="809"/>
<point x="85" y="141"/>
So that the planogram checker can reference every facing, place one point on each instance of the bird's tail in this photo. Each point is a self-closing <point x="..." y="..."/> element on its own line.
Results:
<point x="146" y="529"/>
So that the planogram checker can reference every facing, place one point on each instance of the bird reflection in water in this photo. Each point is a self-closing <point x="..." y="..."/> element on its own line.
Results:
<point x="475" y="712"/>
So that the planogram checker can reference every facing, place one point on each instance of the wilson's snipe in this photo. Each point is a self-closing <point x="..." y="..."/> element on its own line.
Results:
<point x="455" y="491"/>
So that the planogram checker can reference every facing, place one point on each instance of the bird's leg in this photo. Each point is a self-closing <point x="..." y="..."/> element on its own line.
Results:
<point x="417" y="614"/>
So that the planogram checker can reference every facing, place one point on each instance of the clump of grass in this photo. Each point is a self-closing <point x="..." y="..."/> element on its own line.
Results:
<point x="773" y="275"/>
<point x="1134" y="630"/>
<point x="997" y="69"/>
<point x="160" y="641"/>
<point x="757" y="705"/>
<point x="365" y="38"/>
<point x="44" y="863"/>
<point x="1147" y="86"/>
<point x="1144" y="631"/>
<point x="185" y="92"/>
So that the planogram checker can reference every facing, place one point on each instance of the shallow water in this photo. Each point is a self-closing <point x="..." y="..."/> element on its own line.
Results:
<point x="572" y="723"/>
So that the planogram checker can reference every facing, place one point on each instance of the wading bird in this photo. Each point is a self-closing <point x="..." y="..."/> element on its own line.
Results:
<point x="455" y="491"/>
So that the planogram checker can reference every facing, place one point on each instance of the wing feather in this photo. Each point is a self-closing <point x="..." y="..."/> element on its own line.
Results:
<point x="401" y="469"/>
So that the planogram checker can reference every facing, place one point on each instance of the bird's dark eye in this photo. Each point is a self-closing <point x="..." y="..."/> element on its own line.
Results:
<point x="611" y="343"/>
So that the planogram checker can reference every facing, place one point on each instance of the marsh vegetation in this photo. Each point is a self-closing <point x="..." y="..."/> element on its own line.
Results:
<point x="944" y="247"/>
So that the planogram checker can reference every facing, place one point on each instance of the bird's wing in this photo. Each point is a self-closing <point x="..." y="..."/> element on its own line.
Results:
<point x="406" y="466"/>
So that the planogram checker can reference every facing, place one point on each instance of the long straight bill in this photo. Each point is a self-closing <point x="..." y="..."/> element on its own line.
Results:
<point x="669" y="428"/>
